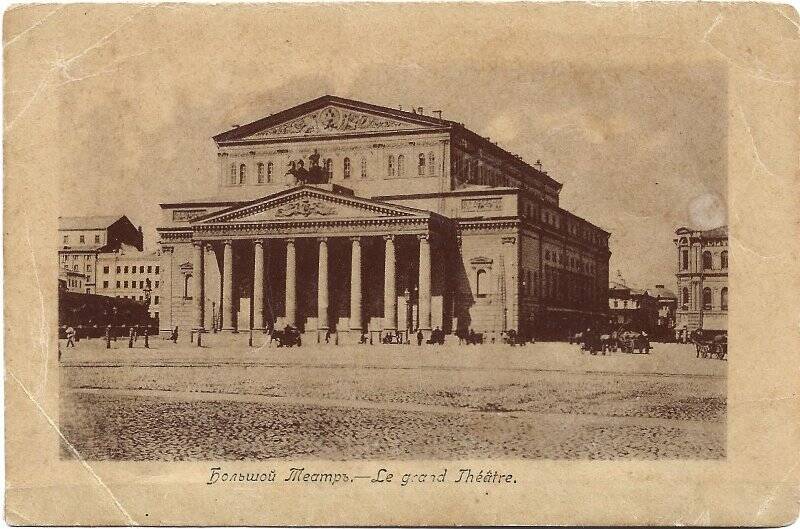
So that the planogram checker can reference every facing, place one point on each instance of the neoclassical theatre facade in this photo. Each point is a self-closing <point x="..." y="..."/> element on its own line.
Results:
<point x="343" y="217"/>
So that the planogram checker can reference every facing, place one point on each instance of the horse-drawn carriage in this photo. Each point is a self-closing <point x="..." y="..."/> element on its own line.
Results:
<point x="287" y="337"/>
<point x="710" y="345"/>
<point x="633" y="342"/>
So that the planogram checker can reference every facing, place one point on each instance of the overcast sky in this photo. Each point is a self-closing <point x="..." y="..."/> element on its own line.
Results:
<point x="637" y="139"/>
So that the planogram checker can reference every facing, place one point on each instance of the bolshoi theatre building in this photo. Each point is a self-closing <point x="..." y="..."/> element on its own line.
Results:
<point x="342" y="218"/>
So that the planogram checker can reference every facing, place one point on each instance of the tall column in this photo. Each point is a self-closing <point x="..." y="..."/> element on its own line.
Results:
<point x="291" y="283"/>
<point x="389" y="286"/>
<point x="424" y="282"/>
<point x="227" y="286"/>
<point x="198" y="273"/>
<point x="355" y="285"/>
<point x="258" y="284"/>
<point x="322" y="286"/>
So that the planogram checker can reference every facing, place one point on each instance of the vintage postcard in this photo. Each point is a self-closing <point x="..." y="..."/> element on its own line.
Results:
<point x="401" y="264"/>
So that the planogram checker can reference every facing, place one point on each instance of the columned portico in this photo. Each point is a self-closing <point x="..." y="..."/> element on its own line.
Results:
<point x="355" y="285"/>
<point x="227" y="286"/>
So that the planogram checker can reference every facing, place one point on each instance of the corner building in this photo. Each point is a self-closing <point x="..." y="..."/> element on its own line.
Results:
<point x="345" y="217"/>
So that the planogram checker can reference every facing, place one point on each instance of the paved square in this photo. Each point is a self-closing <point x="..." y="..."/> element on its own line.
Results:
<point x="544" y="400"/>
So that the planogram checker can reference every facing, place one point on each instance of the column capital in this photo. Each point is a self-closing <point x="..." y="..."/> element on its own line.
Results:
<point x="356" y="238"/>
<point x="258" y="241"/>
<point x="198" y="244"/>
<point x="322" y="239"/>
<point x="289" y="240"/>
<point x="509" y="240"/>
<point x="389" y="237"/>
<point x="227" y="242"/>
<point x="424" y="236"/>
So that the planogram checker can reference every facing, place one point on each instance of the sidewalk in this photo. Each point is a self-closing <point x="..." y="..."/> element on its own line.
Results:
<point x="664" y="359"/>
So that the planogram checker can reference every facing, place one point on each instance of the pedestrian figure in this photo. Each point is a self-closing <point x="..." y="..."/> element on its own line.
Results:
<point x="363" y="337"/>
<point x="147" y="339"/>
<point x="108" y="337"/>
<point x="131" y="334"/>
<point x="70" y="336"/>
<point x="174" y="335"/>
<point x="327" y="336"/>
<point x="135" y="333"/>
<point x="419" y="337"/>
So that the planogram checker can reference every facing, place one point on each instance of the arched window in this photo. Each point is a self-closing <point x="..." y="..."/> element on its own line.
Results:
<point x="401" y="165"/>
<point x="723" y="260"/>
<point x="242" y="173"/>
<point x="684" y="259"/>
<point x="723" y="299"/>
<point x="329" y="168"/>
<point x="421" y="165"/>
<point x="431" y="164"/>
<point x="187" y="286"/>
<point x="260" y="173"/>
<point x="706" y="298"/>
<point x="707" y="262"/>
<point x="480" y="283"/>
<point x="270" y="169"/>
<point x="346" y="168"/>
<point x="363" y="167"/>
<point x="685" y="297"/>
<point x="390" y="166"/>
<point x="233" y="174"/>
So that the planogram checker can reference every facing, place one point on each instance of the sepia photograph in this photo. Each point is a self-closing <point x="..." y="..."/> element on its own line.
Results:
<point x="349" y="234"/>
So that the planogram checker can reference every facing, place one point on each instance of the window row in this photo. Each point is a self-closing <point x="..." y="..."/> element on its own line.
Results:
<point x="65" y="257"/>
<point x="124" y="284"/>
<point x="77" y="268"/>
<point x="395" y="167"/>
<point x="571" y="262"/>
<point x="707" y="260"/>
<point x="139" y="298"/>
<point x="133" y="269"/>
<point x="82" y="239"/>
<point x="707" y="298"/>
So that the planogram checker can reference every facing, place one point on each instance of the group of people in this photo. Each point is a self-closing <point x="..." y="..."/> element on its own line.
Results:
<point x="134" y="332"/>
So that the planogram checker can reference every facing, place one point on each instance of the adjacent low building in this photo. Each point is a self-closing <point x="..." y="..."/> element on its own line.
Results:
<point x="83" y="239"/>
<point x="630" y="308"/>
<point x="702" y="280"/>
<point x="666" y="302"/>
<point x="71" y="280"/>
<point x="131" y="274"/>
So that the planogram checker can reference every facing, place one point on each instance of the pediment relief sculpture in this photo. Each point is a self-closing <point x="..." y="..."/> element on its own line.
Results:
<point x="333" y="119"/>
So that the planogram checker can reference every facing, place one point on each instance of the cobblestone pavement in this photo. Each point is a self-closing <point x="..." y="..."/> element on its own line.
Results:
<point x="541" y="401"/>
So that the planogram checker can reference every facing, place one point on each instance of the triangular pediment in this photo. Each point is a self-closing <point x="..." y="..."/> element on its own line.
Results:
<point x="331" y="116"/>
<point x="308" y="203"/>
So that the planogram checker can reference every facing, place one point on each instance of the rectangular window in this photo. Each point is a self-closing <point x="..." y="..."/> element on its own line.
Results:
<point x="66" y="239"/>
<point x="88" y="268"/>
<point x="105" y="269"/>
<point x="157" y="269"/>
<point x="125" y="284"/>
<point x="118" y="270"/>
<point x="117" y="285"/>
<point x="82" y="239"/>
<point x="105" y="284"/>
<point x="126" y="269"/>
<point x="684" y="259"/>
<point x="155" y="299"/>
<point x="149" y="269"/>
<point x="141" y="269"/>
<point x="97" y="239"/>
<point x="156" y="284"/>
<point x="141" y="284"/>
